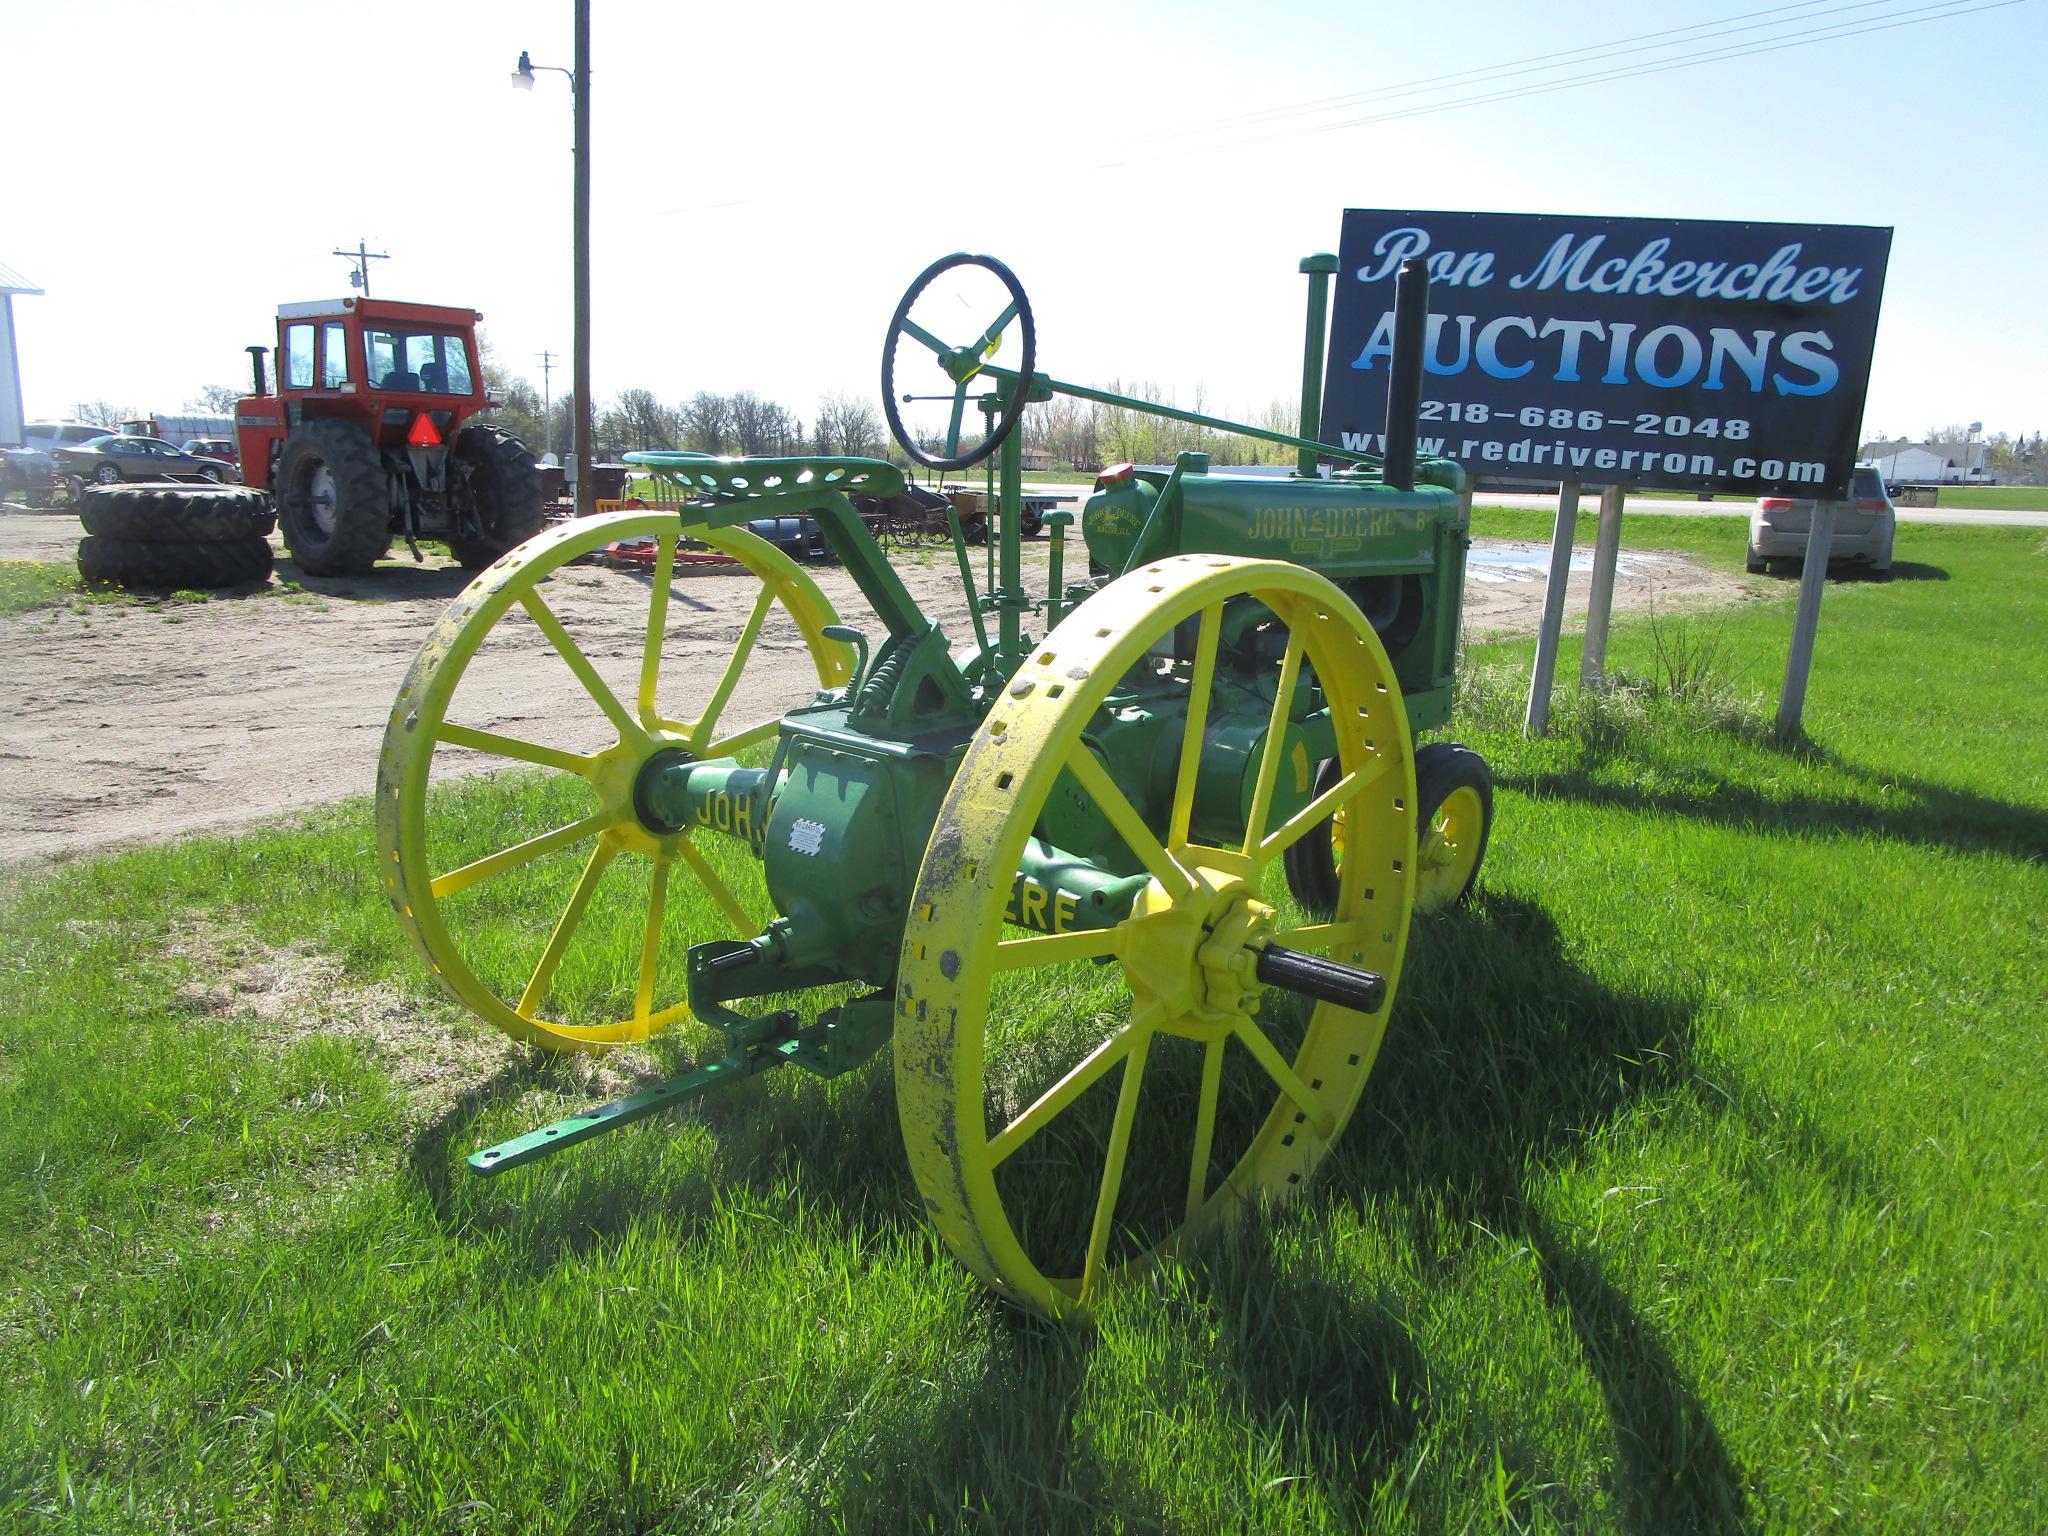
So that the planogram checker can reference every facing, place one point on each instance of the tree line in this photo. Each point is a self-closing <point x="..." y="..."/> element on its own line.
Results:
<point x="638" y="420"/>
<point x="1086" y="434"/>
<point x="1081" y="435"/>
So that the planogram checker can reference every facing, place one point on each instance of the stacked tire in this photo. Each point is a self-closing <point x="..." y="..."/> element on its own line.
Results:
<point x="181" y="536"/>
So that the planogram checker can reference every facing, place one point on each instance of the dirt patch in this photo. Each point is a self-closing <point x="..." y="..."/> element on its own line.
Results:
<point x="287" y="995"/>
<point x="429" y="1049"/>
<point x="128" y="724"/>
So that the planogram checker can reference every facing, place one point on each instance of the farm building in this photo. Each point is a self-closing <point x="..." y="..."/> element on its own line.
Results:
<point x="11" y="420"/>
<point x="1928" y="463"/>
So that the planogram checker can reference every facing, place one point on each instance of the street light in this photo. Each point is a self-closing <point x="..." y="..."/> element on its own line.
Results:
<point x="579" y="92"/>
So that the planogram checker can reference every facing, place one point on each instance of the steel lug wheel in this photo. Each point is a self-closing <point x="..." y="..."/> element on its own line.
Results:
<point x="1078" y="1104"/>
<point x="548" y="907"/>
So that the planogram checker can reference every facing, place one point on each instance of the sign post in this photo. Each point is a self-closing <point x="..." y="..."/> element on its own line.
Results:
<point x="1536" y="715"/>
<point x="1600" y="600"/>
<point x="1799" y="659"/>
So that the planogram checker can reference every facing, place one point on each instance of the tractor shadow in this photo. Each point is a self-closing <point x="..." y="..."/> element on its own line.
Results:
<point x="680" y="593"/>
<point x="1901" y="807"/>
<point x="393" y="581"/>
<point x="836" y="1141"/>
<point x="1007" y="1445"/>
<point x="1503" y="1061"/>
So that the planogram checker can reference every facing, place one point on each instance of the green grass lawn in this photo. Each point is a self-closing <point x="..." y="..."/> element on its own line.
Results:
<point x="1700" y="1185"/>
<point x="2002" y="498"/>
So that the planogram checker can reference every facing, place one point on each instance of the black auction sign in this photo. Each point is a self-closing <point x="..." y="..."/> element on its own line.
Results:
<point x="1683" y="354"/>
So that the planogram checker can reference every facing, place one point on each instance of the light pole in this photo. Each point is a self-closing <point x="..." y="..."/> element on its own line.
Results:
<point x="579" y="91"/>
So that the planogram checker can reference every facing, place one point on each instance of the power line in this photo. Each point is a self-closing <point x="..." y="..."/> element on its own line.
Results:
<point x="1534" y="64"/>
<point x="1942" y="11"/>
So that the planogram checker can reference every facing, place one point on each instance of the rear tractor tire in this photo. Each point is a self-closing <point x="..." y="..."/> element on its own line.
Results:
<point x="177" y="514"/>
<point x="146" y="563"/>
<point x="333" y="500"/>
<point x="495" y="479"/>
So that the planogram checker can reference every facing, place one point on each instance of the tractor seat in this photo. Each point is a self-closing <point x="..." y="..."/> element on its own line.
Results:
<point x="400" y="380"/>
<point x="702" y="477"/>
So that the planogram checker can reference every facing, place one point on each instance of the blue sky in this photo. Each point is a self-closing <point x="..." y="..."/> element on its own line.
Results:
<point x="769" y="178"/>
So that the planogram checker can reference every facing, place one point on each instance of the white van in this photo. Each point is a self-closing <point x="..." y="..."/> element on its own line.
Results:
<point x="49" y="436"/>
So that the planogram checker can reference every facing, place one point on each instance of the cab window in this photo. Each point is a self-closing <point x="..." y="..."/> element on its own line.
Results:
<point x="333" y="355"/>
<point x="419" y="360"/>
<point x="298" y="356"/>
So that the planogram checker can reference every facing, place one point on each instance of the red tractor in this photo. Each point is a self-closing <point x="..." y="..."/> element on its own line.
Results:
<point x="365" y="437"/>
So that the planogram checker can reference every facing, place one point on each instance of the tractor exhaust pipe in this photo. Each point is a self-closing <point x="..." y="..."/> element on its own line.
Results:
<point x="256" y="366"/>
<point x="1404" y="381"/>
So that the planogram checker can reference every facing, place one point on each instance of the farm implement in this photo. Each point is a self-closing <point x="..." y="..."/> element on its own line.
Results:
<point x="1123" y="879"/>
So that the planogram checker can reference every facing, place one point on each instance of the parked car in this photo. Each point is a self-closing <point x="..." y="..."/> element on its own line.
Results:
<point x="1864" y="526"/>
<point x="110" y="459"/>
<point x="49" y="436"/>
<point x="27" y="475"/>
<point x="222" y="448"/>
<point x="798" y="537"/>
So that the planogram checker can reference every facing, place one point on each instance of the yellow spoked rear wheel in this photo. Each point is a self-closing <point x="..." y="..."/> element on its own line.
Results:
<point x="498" y="894"/>
<point x="1076" y="1104"/>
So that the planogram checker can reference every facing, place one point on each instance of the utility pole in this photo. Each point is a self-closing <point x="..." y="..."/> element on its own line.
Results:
<point x="586" y="482"/>
<point x="360" y="258"/>
<point x="547" y="399"/>
<point x="579" y="91"/>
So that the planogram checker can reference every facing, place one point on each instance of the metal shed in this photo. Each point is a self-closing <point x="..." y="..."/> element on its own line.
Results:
<point x="11" y="421"/>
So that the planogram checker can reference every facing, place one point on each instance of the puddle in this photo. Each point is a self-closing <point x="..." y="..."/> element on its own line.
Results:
<point x="1491" y="562"/>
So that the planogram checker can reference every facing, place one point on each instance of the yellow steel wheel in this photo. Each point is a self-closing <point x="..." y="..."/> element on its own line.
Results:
<point x="1454" y="816"/>
<point x="545" y="864"/>
<point x="1076" y="1104"/>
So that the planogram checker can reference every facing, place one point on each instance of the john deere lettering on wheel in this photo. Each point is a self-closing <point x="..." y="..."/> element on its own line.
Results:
<point x="1124" y="882"/>
<point x="365" y="439"/>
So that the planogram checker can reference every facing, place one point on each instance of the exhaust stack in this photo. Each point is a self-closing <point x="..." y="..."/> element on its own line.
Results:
<point x="1404" y="381"/>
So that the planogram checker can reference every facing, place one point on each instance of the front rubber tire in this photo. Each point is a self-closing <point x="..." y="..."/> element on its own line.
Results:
<point x="1453" y="821"/>
<point x="1450" y="843"/>
<point x="332" y="499"/>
